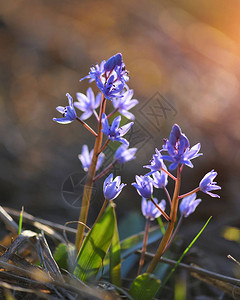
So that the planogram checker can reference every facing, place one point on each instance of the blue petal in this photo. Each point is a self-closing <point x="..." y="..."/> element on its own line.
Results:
<point x="115" y="123"/>
<point x="105" y="125"/>
<point x="124" y="129"/>
<point x="63" y="120"/>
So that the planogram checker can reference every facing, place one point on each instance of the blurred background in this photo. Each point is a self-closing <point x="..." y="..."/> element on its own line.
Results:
<point x="183" y="59"/>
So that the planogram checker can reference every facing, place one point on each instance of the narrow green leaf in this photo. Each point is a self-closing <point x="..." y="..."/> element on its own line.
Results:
<point x="185" y="251"/>
<point x="160" y="223"/>
<point x="95" y="246"/>
<point x="20" y="221"/>
<point x="115" y="257"/>
<point x="145" y="287"/>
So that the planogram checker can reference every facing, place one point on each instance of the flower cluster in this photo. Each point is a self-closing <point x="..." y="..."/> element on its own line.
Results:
<point x="110" y="76"/>
<point x="111" y="80"/>
<point x="179" y="154"/>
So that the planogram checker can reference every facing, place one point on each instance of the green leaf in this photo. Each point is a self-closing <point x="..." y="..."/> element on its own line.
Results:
<point x="160" y="223"/>
<point x="20" y="221"/>
<point x="115" y="257"/>
<point x="145" y="287"/>
<point x="95" y="246"/>
<point x="184" y="252"/>
<point x="64" y="256"/>
<point x="61" y="256"/>
<point x="133" y="243"/>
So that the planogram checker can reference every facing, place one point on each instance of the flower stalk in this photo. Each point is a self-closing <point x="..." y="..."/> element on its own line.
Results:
<point x="90" y="179"/>
<point x="87" y="126"/>
<point x="189" y="193"/>
<point x="170" y="227"/>
<point x="159" y="208"/>
<point x="105" y="171"/>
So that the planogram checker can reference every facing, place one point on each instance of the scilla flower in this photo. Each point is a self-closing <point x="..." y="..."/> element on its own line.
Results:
<point x="112" y="188"/>
<point x="95" y="71"/>
<point x="68" y="112"/>
<point x="123" y="154"/>
<point x="114" y="133"/>
<point x="156" y="163"/>
<point x="144" y="186"/>
<point x="160" y="179"/>
<point x="178" y="148"/>
<point x="124" y="103"/>
<point x="188" y="205"/>
<point x="150" y="211"/>
<point x="88" y="103"/>
<point x="207" y="184"/>
<point x="85" y="157"/>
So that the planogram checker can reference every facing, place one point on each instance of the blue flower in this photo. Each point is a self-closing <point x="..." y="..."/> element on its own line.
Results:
<point x="95" y="72"/>
<point x="178" y="148"/>
<point x="114" y="133"/>
<point x="110" y="76"/>
<point x="88" y="103"/>
<point x="112" y="62"/>
<point x="86" y="158"/>
<point x="111" y="87"/>
<point x="207" y="184"/>
<point x="144" y="186"/>
<point x="150" y="211"/>
<point x="124" y="103"/>
<point x="112" y="188"/>
<point x="188" y="205"/>
<point x="156" y="163"/>
<point x="123" y="154"/>
<point x="68" y="112"/>
<point x="160" y="179"/>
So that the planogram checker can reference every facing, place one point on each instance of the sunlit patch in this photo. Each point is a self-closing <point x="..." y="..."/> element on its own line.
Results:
<point x="231" y="233"/>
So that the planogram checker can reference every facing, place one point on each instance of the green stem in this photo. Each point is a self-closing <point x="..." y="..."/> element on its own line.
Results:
<point x="89" y="181"/>
<point x="144" y="247"/>
<point x="168" y="233"/>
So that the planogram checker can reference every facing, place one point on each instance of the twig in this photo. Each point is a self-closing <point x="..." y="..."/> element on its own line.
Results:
<point x="194" y="269"/>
